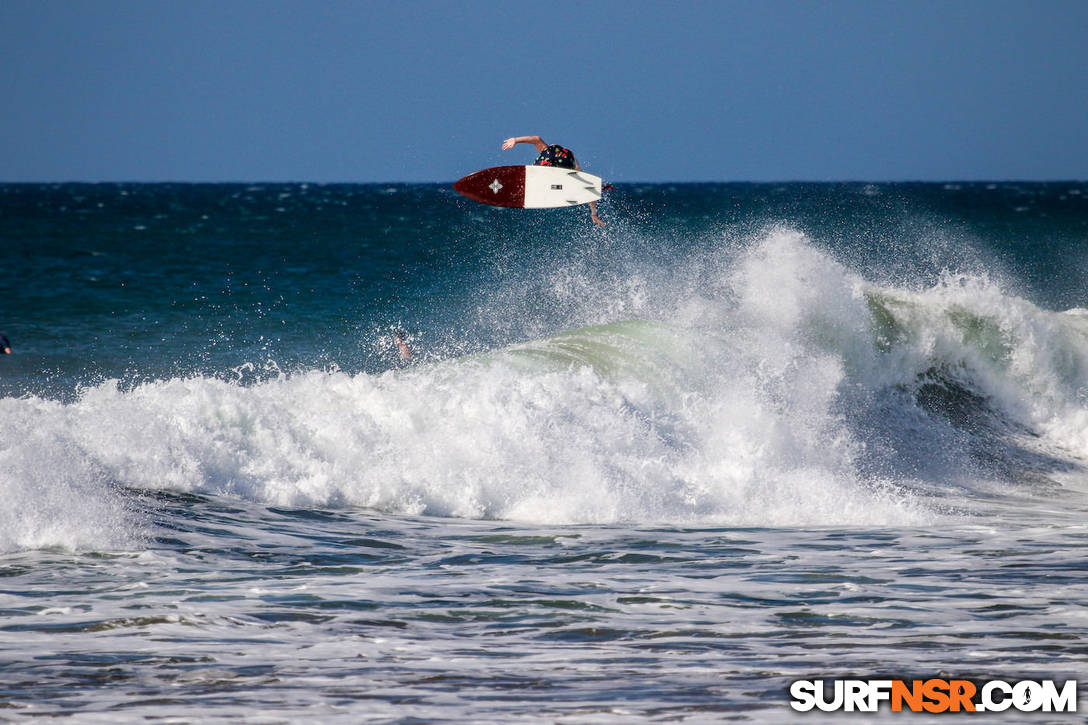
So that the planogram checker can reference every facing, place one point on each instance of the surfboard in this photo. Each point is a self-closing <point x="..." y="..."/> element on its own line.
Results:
<point x="530" y="187"/>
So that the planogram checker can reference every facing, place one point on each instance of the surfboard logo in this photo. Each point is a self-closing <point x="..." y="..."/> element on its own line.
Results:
<point x="495" y="186"/>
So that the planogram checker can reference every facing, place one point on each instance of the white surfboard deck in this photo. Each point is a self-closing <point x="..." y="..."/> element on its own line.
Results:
<point x="551" y="186"/>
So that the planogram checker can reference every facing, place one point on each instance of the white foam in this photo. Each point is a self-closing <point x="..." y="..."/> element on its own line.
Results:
<point x="740" y="415"/>
<point x="479" y="439"/>
<point x="54" y="495"/>
<point x="1030" y="364"/>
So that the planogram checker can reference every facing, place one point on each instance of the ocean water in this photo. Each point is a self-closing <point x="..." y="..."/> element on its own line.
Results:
<point x="746" y="434"/>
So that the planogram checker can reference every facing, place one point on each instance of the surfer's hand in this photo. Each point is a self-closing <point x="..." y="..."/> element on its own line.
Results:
<point x="596" y="219"/>
<point x="509" y="144"/>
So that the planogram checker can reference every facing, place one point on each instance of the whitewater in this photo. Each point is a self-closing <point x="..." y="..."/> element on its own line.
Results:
<point x="747" y="435"/>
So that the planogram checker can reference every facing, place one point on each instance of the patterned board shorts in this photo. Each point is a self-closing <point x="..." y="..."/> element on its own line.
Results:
<point x="556" y="155"/>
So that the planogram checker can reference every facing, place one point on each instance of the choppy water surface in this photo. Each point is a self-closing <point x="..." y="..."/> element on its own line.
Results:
<point x="747" y="435"/>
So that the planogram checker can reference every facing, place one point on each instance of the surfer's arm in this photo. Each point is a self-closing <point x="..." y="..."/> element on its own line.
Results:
<point x="514" y="141"/>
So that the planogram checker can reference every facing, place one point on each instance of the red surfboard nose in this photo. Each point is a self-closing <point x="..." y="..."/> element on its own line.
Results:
<point x="499" y="186"/>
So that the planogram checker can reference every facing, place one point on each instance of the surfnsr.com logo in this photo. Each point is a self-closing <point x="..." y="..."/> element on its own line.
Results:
<point x="934" y="695"/>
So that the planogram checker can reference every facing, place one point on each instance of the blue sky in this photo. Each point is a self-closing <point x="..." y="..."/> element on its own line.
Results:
<point x="149" y="90"/>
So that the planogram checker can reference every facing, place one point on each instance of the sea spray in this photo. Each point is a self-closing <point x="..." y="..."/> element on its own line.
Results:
<point x="55" y="493"/>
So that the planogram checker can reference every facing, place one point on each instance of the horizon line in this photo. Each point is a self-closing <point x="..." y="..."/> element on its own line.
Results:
<point x="227" y="182"/>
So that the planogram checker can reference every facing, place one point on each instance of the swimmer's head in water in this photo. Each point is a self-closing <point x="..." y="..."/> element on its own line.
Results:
<point x="5" y="345"/>
<point x="401" y="343"/>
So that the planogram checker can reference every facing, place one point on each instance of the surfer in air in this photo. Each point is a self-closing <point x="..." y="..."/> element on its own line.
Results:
<point x="553" y="155"/>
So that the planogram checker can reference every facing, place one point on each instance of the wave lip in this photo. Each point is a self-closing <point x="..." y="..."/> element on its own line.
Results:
<point x="966" y="341"/>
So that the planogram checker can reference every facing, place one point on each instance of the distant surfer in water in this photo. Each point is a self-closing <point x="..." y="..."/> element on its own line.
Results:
<point x="553" y="155"/>
<point x="5" y="346"/>
<point x="403" y="350"/>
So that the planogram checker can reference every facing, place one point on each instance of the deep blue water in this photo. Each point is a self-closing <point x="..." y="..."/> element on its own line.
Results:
<point x="747" y="433"/>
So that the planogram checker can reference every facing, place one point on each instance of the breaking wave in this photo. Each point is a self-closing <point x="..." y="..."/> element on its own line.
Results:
<point x="793" y="392"/>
